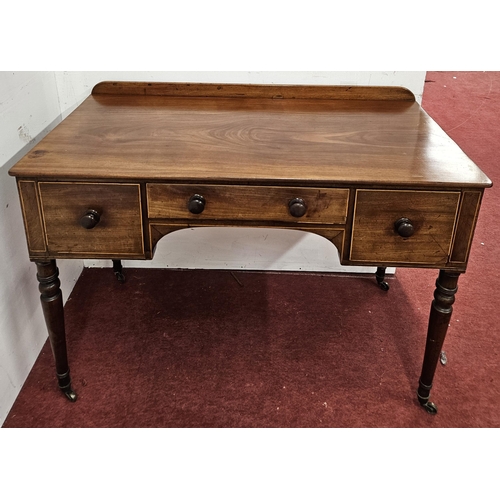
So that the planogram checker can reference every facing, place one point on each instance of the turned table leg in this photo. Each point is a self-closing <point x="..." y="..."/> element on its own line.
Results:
<point x="118" y="270"/>
<point x="440" y="315"/>
<point x="380" y="276"/>
<point x="52" y="306"/>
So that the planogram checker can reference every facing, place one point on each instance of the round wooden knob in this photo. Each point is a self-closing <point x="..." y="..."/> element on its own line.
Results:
<point x="90" y="219"/>
<point x="404" y="227"/>
<point x="196" y="204"/>
<point x="297" y="207"/>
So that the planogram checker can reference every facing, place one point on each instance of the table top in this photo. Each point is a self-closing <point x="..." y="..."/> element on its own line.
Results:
<point x="248" y="134"/>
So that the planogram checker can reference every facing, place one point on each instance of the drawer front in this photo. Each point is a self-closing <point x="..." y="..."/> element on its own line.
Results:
<point x="426" y="222"/>
<point x="118" y="231"/>
<point x="253" y="203"/>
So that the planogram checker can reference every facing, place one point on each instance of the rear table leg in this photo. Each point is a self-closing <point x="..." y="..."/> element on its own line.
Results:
<point x="117" y="269"/>
<point x="380" y="276"/>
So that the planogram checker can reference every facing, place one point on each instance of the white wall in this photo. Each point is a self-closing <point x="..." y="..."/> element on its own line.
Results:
<point x="240" y="248"/>
<point x="31" y="104"/>
<point x="29" y="108"/>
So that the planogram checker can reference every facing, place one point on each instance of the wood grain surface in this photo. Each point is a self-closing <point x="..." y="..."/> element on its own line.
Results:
<point x="382" y="93"/>
<point x="432" y="214"/>
<point x="119" y="231"/>
<point x="32" y="216"/>
<point x="241" y="140"/>
<point x="326" y="206"/>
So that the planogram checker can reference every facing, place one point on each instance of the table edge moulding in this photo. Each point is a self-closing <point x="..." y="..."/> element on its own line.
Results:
<point x="364" y="167"/>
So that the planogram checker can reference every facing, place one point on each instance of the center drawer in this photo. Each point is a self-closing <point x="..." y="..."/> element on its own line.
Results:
<point x="253" y="203"/>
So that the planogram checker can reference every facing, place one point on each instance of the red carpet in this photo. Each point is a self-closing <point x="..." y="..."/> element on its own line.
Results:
<point x="203" y="349"/>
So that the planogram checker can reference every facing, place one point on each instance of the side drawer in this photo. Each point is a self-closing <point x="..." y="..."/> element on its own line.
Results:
<point x="252" y="203"/>
<point x="429" y="215"/>
<point x="118" y="232"/>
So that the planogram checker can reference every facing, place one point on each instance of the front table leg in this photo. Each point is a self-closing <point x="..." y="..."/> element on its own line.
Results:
<point x="52" y="306"/>
<point x="441" y="309"/>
